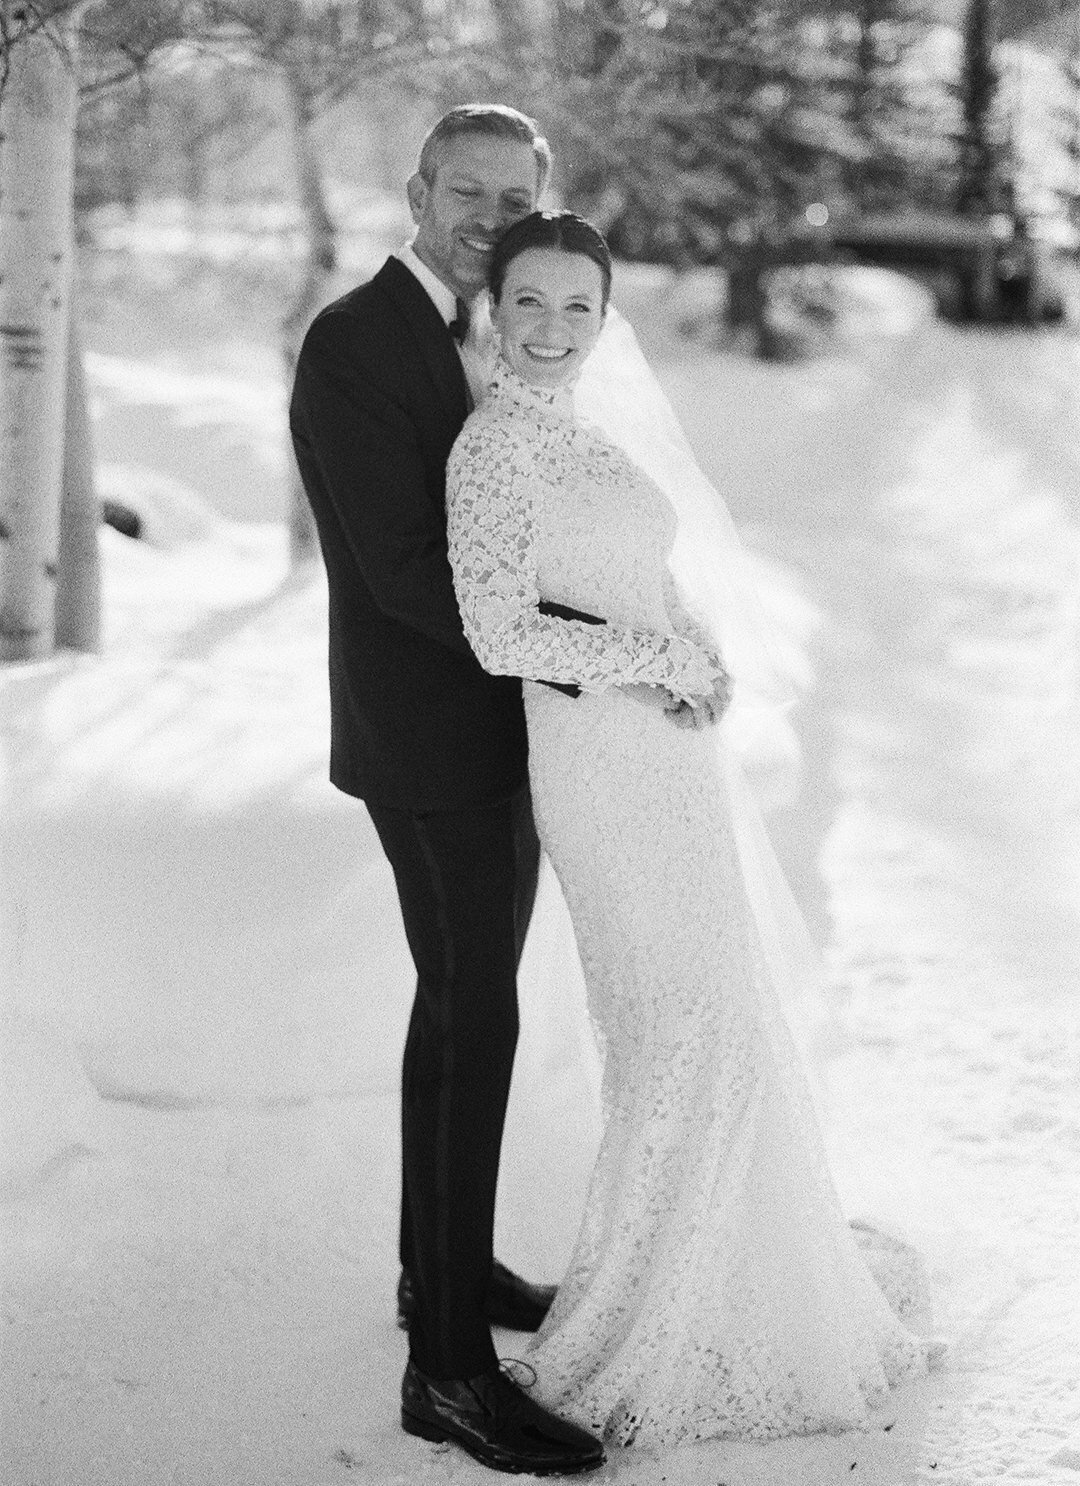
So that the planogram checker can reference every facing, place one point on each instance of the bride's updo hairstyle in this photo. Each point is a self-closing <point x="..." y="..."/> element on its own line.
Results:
<point x="565" y="231"/>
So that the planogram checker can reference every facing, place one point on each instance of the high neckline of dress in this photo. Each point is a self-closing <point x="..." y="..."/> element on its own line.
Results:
<point x="557" y="400"/>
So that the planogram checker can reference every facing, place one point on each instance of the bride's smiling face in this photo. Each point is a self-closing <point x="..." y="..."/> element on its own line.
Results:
<point x="549" y="314"/>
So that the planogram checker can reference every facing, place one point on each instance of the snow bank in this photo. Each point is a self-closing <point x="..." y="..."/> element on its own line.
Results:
<point x="205" y="983"/>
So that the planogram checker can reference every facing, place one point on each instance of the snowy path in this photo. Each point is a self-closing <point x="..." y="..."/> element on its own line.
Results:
<point x="954" y="863"/>
<point x="198" y="1292"/>
<point x="948" y="694"/>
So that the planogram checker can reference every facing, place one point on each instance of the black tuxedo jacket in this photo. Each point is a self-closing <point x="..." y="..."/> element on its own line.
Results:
<point x="379" y="398"/>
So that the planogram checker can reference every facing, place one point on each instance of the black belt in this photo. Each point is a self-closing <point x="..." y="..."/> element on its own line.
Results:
<point x="564" y="611"/>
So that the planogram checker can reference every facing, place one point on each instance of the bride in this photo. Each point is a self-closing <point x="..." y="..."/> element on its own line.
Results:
<point x="715" y="1290"/>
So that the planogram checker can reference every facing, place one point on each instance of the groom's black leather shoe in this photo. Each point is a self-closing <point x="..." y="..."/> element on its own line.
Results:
<point x="511" y="1301"/>
<point x="497" y="1423"/>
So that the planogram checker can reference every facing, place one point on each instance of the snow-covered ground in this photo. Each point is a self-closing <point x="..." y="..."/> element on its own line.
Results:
<point x="205" y="983"/>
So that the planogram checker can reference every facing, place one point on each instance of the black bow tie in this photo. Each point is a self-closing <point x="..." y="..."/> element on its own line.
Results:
<point x="459" y="325"/>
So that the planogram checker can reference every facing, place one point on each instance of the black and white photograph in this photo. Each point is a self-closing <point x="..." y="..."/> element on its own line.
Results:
<point x="540" y="725"/>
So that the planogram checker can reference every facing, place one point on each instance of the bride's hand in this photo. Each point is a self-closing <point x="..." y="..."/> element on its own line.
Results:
<point x="697" y="713"/>
<point x="651" y="695"/>
<point x="703" y="711"/>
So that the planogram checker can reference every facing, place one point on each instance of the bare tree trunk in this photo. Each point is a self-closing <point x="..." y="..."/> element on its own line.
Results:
<point x="979" y="190"/>
<point x="78" y="581"/>
<point x="37" y="121"/>
<point x="320" y="262"/>
<point x="747" y="300"/>
<point x="1074" y="133"/>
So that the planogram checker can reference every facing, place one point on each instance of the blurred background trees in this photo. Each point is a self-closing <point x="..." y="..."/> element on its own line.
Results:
<point x="673" y="122"/>
<point x="731" y="134"/>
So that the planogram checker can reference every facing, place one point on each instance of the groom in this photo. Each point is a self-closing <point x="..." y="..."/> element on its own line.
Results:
<point x="436" y="749"/>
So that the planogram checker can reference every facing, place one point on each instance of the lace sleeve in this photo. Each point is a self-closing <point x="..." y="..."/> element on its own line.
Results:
<point x="682" y="621"/>
<point x="490" y="484"/>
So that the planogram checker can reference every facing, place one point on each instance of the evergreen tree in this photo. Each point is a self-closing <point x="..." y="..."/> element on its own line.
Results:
<point x="696" y="118"/>
<point x="1070" y="129"/>
<point x="1020" y="19"/>
<point x="901" y="153"/>
<point x="695" y="126"/>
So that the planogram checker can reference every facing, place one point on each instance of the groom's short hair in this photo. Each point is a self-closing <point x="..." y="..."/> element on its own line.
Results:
<point x="484" y="118"/>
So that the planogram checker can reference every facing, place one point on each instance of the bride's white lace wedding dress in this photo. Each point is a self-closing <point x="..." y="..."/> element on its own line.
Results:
<point x="716" y="1290"/>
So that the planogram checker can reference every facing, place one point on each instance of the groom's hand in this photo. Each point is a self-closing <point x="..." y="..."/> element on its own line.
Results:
<point x="722" y="689"/>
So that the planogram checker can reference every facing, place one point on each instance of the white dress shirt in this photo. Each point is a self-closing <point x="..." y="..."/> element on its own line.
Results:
<point x="477" y="351"/>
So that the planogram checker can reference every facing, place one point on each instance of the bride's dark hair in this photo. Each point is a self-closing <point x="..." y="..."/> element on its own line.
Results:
<point x="563" y="230"/>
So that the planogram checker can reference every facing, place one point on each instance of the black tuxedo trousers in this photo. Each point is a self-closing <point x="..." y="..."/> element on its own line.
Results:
<point x="466" y="881"/>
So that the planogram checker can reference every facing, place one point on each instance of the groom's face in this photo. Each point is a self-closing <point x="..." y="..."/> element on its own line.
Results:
<point x="482" y="183"/>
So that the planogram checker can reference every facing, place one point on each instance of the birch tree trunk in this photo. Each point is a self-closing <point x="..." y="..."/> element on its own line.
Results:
<point x="319" y="263"/>
<point x="37" y="123"/>
<point x="78" y="581"/>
